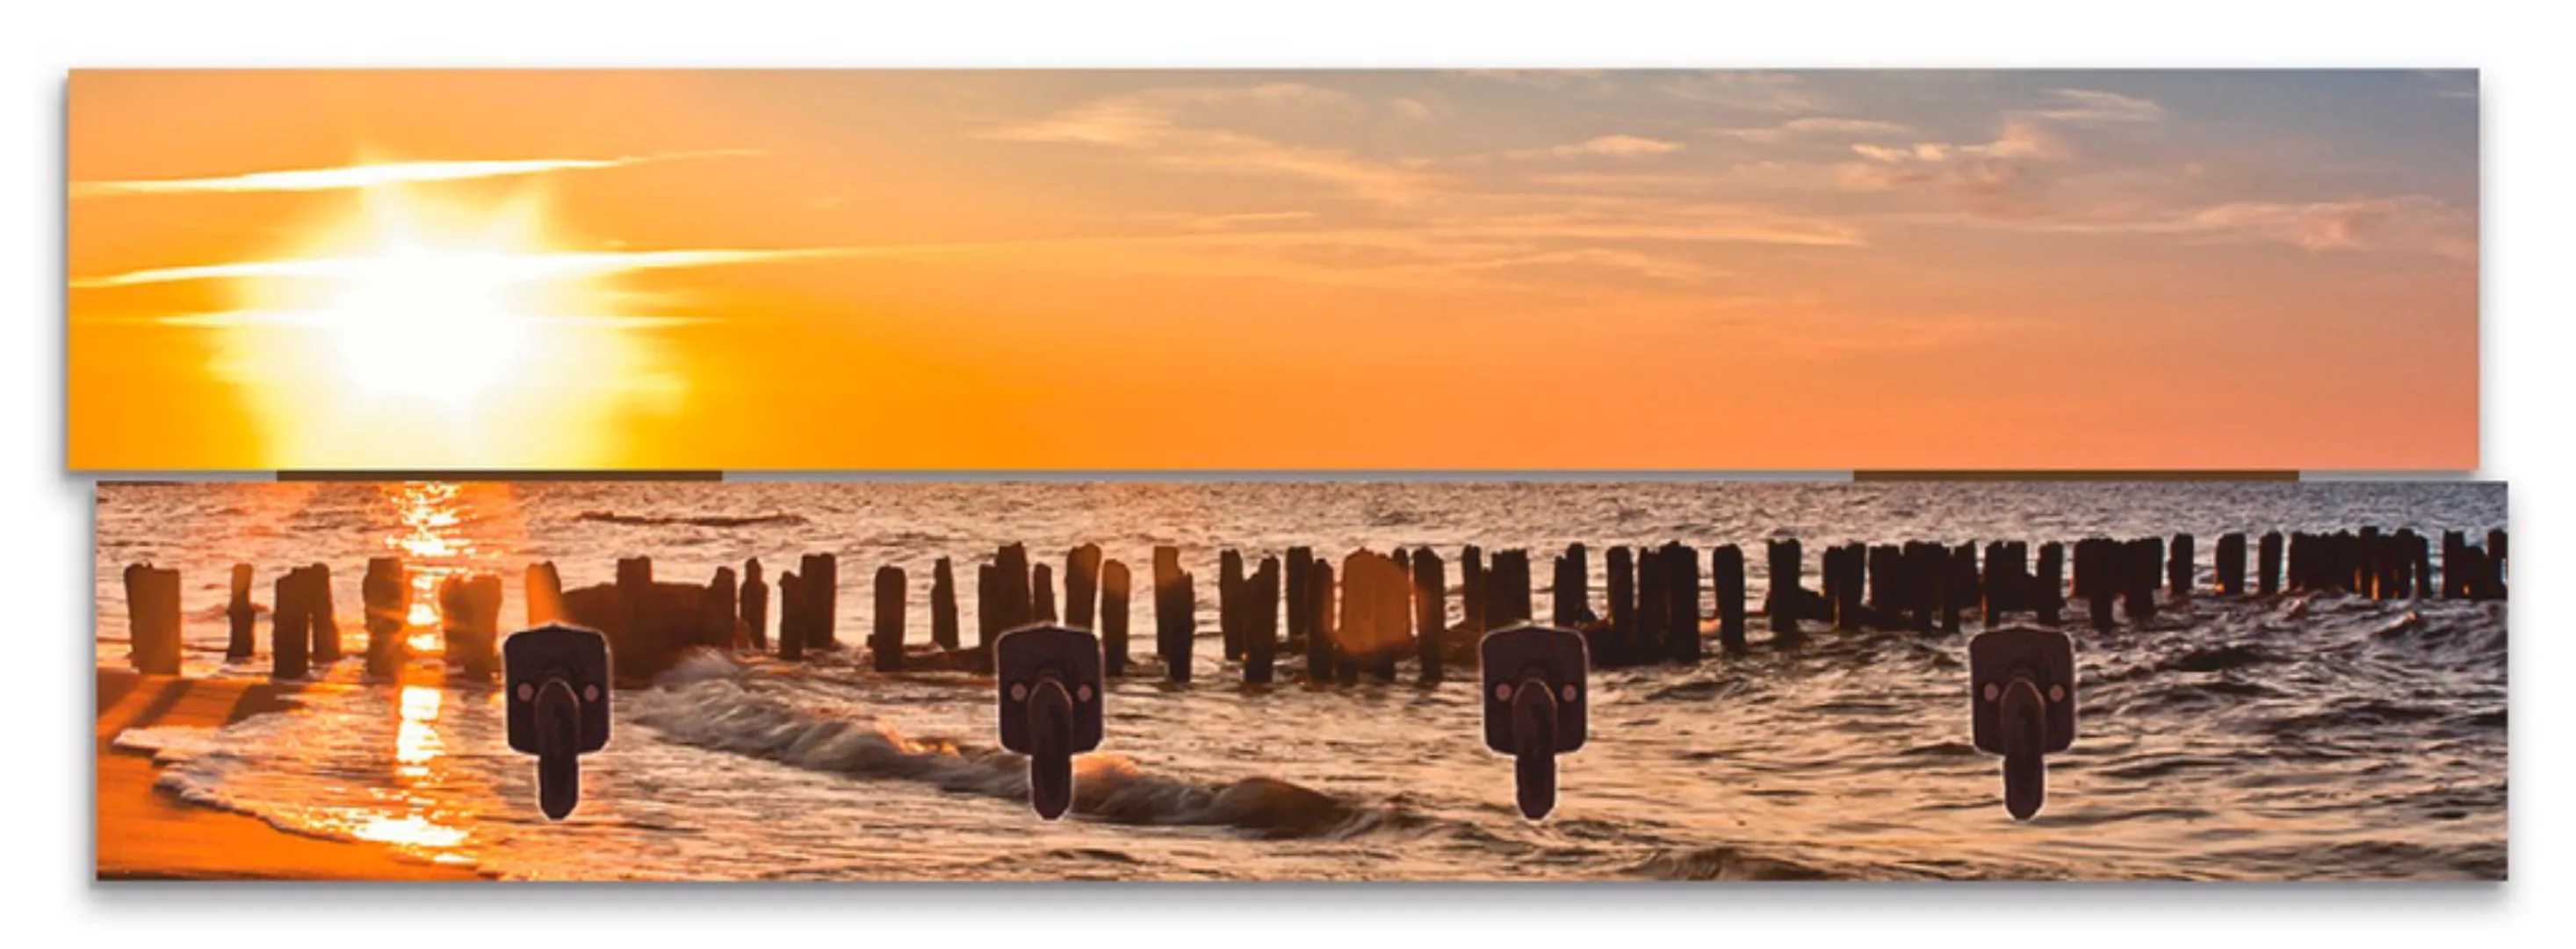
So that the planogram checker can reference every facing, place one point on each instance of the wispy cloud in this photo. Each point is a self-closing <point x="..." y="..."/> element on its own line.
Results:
<point x="1997" y="178"/>
<point x="2093" y="105"/>
<point x="1480" y="240"/>
<point x="1819" y="127"/>
<point x="2010" y="175"/>
<point x="1767" y="92"/>
<point x="511" y="267"/>
<point x="2400" y="224"/>
<point x="1605" y="146"/>
<point x="372" y="174"/>
<point x="1160" y="125"/>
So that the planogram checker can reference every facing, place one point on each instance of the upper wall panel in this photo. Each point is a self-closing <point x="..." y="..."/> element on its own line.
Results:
<point x="1272" y="270"/>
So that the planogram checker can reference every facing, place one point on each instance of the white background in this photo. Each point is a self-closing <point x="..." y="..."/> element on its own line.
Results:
<point x="2529" y="82"/>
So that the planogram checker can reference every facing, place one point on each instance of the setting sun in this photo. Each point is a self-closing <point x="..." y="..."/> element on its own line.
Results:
<point x="432" y="317"/>
<point x="417" y="328"/>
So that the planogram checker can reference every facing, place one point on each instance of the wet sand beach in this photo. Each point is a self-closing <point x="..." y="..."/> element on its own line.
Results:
<point x="145" y="833"/>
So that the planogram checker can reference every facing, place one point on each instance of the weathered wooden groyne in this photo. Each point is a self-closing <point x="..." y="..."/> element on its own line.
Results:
<point x="1362" y="617"/>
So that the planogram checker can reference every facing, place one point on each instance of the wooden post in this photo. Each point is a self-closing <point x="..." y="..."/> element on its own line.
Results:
<point x="943" y="604"/>
<point x="1175" y="614"/>
<point x="1430" y="612"/>
<point x="1041" y="594"/>
<point x="792" y="604"/>
<point x="1843" y="568"/>
<point x="541" y="585"/>
<point x="885" y="642"/>
<point x="1995" y="586"/>
<point x="2231" y="564"/>
<point x="991" y="619"/>
<point x="1726" y="585"/>
<point x="2023" y="592"/>
<point x="2485" y="582"/>
<point x="1570" y="596"/>
<point x="2397" y="563"/>
<point x="152" y="619"/>
<point x="1364" y="626"/>
<point x="2267" y="564"/>
<point x="2425" y="582"/>
<point x="1081" y="585"/>
<point x="1011" y="572"/>
<point x="2095" y="576"/>
<point x="1832" y="585"/>
<point x="825" y="621"/>
<point x="1999" y="585"/>
<point x="2306" y="570"/>
<point x="1654" y="607"/>
<point x="2496" y="539"/>
<point x="289" y="639"/>
<point x="2138" y="578"/>
<point x="1354" y="629"/>
<point x="243" y="617"/>
<point x="326" y="617"/>
<point x="2050" y="603"/>
<point x="1622" y="566"/>
<point x="2369" y="551"/>
<point x="2495" y="563"/>
<point x="1114" y="586"/>
<point x="819" y="576"/>
<point x="2479" y="571"/>
<point x="1882" y="573"/>
<point x="1319" y="612"/>
<point x="2399" y="554"/>
<point x="2325" y="566"/>
<point x="386" y="593"/>
<point x="755" y="606"/>
<point x="719" y="612"/>
<point x="1230" y="611"/>
<point x="1780" y="600"/>
<point x="483" y="616"/>
<point x="2455" y="577"/>
<point x="1926" y="582"/>
<point x="1959" y="591"/>
<point x="2179" y="566"/>
<point x="1681" y="585"/>
<point x="1261" y="628"/>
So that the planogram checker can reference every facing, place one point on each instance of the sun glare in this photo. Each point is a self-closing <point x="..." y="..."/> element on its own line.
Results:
<point x="418" y="319"/>
<point x="424" y="329"/>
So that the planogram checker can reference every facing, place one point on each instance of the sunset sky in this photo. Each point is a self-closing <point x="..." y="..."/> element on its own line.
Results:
<point x="1307" y="270"/>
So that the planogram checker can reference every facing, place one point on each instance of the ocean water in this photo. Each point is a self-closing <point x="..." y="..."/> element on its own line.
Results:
<point x="2294" y="737"/>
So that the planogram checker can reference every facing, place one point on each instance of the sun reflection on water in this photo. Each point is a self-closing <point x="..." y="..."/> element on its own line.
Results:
<point x="430" y="538"/>
<point x="427" y="807"/>
<point x="412" y="813"/>
<point x="416" y="744"/>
